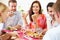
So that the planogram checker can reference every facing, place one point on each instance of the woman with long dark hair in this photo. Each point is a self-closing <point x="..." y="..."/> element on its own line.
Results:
<point x="37" y="19"/>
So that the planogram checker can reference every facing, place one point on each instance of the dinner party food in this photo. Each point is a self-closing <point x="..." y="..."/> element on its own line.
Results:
<point x="32" y="34"/>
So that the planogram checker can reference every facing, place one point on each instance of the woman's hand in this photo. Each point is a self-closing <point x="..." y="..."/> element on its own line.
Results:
<point x="24" y="15"/>
<point x="34" y="17"/>
<point x="24" y="18"/>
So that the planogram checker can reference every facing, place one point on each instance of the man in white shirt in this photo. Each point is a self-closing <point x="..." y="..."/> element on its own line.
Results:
<point x="49" y="18"/>
<point x="54" y="33"/>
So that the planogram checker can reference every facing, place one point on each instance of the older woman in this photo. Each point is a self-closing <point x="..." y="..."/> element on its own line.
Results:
<point x="3" y="11"/>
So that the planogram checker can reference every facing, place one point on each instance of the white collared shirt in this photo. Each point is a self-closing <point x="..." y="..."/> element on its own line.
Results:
<point x="53" y="34"/>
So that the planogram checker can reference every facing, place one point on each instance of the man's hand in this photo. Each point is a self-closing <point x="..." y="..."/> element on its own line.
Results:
<point x="11" y="13"/>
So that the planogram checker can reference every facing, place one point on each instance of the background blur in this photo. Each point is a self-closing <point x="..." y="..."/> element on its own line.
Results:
<point x="25" y="5"/>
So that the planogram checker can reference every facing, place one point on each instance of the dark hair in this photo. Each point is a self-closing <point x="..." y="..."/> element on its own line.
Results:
<point x="13" y="1"/>
<point x="31" y="11"/>
<point x="50" y="4"/>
